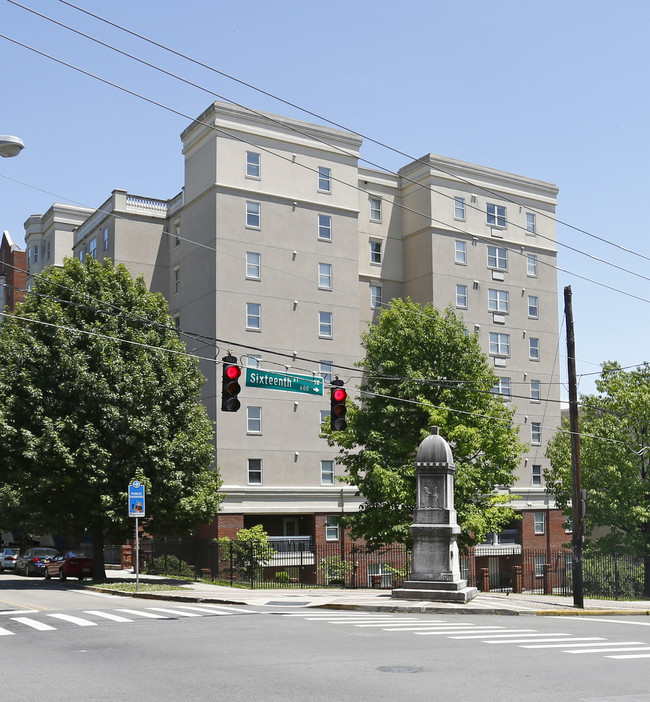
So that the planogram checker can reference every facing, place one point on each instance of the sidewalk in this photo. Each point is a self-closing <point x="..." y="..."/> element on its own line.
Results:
<point x="378" y="600"/>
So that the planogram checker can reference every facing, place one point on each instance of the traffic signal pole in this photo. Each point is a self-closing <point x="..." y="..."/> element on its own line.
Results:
<point x="576" y="492"/>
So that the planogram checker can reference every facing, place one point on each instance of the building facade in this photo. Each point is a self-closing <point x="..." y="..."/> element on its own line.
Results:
<point x="13" y="276"/>
<point x="281" y="249"/>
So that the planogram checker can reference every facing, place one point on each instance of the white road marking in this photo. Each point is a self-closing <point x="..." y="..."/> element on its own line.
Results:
<point x="34" y="623"/>
<point x="634" y="655"/>
<point x="6" y="632"/>
<point x="483" y="631"/>
<point x="108" y="615"/>
<point x="610" y="650"/>
<point x="175" y="612"/>
<point x="73" y="620"/>
<point x="554" y="639"/>
<point x="142" y="613"/>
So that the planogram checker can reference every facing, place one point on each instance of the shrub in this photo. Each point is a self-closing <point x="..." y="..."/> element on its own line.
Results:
<point x="168" y="565"/>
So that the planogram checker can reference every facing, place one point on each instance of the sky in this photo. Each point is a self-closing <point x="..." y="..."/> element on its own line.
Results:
<point x="553" y="90"/>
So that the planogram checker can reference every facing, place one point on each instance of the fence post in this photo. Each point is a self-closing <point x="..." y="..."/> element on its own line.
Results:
<point x="231" y="563"/>
<point x="548" y="579"/>
<point x="516" y="580"/>
<point x="485" y="579"/>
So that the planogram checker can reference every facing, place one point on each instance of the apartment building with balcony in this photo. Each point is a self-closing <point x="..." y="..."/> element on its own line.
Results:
<point x="281" y="249"/>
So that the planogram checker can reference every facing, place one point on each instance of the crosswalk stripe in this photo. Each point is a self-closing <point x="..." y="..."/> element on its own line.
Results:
<point x="597" y="641"/>
<point x="6" y="632"/>
<point x="611" y="650"/>
<point x="175" y="612"/>
<point x="143" y="613"/>
<point x="422" y="626"/>
<point x="227" y="608"/>
<point x="483" y="631"/>
<point x="497" y="634"/>
<point x="34" y="623"/>
<point x="108" y="615"/>
<point x="633" y="655"/>
<point x="556" y="639"/>
<point x="73" y="620"/>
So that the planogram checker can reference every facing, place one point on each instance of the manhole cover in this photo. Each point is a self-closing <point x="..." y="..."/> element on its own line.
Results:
<point x="400" y="669"/>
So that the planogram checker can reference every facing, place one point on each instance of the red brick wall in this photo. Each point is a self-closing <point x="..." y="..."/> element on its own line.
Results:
<point x="223" y="525"/>
<point x="554" y="536"/>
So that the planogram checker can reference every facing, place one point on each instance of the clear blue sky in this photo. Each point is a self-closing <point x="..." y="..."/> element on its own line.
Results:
<point x="554" y="90"/>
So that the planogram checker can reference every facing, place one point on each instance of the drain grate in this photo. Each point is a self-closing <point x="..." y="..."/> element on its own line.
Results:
<point x="400" y="669"/>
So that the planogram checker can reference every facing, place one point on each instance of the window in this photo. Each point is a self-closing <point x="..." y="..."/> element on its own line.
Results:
<point x="92" y="248"/>
<point x="324" y="416"/>
<point x="325" y="227"/>
<point x="533" y="349"/>
<point x="253" y="265"/>
<point x="459" y="208"/>
<point x="535" y="390"/>
<point x="531" y="265"/>
<point x="461" y="296"/>
<point x="497" y="258"/>
<point x="36" y="253"/>
<point x="331" y="529"/>
<point x="29" y="257"/>
<point x="325" y="324"/>
<point x="254" y="471"/>
<point x="539" y="519"/>
<point x="325" y="276"/>
<point x="540" y="559"/>
<point x="531" y="225"/>
<point x="325" y="371"/>
<point x="537" y="475"/>
<point x="496" y="215"/>
<point x="503" y="388"/>
<point x="375" y="252"/>
<point x="498" y="300"/>
<point x="533" y="306"/>
<point x="536" y="433"/>
<point x="253" y="316"/>
<point x="254" y="420"/>
<point x="177" y="234"/>
<point x="375" y="297"/>
<point x="80" y="255"/>
<point x="375" y="209"/>
<point x="253" y="360"/>
<point x="327" y="473"/>
<point x="253" y="214"/>
<point x="177" y="321"/>
<point x="252" y="164"/>
<point x="499" y="344"/>
<point x="460" y="255"/>
<point x="177" y="280"/>
<point x="105" y="238"/>
<point x="324" y="179"/>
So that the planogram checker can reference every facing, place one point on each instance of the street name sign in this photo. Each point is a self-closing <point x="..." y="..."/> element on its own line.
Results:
<point x="307" y="384"/>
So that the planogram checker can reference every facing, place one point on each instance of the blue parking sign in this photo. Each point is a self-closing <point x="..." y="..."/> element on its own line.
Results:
<point x="136" y="499"/>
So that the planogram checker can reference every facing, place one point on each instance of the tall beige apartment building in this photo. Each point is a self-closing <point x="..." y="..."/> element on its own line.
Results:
<point x="281" y="249"/>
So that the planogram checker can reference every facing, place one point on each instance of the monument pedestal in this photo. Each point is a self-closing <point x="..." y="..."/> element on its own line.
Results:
<point x="435" y="591"/>
<point x="435" y="573"/>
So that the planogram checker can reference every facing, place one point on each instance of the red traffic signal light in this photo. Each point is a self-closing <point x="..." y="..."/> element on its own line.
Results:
<point x="230" y="386"/>
<point x="338" y="406"/>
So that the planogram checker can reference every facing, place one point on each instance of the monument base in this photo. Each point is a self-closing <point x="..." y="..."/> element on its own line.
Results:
<point x="435" y="591"/>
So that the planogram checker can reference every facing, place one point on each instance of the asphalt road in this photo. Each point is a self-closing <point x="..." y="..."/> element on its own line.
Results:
<point x="61" y="643"/>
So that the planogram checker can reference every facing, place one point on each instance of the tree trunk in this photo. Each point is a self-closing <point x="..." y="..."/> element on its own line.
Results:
<point x="99" y="567"/>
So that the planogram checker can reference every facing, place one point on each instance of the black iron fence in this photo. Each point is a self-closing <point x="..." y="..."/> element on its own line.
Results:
<point x="299" y="563"/>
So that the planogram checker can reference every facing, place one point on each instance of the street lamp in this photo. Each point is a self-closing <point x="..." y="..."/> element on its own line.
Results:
<point x="10" y="145"/>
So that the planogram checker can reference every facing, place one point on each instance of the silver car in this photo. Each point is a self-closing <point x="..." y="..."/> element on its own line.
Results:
<point x="8" y="558"/>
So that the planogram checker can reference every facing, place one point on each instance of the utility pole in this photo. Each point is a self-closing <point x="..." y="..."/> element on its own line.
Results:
<point x="576" y="492"/>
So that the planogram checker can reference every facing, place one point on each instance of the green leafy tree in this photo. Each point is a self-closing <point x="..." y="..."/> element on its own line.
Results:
<point x="421" y="369"/>
<point x="615" y="460"/>
<point x="95" y="389"/>
<point x="249" y="552"/>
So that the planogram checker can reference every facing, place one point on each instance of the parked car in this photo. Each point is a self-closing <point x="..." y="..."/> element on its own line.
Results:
<point x="32" y="561"/>
<point x="69" y="564"/>
<point x="8" y="558"/>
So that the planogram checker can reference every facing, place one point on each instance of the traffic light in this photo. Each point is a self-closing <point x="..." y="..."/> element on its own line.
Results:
<point x="338" y="407"/>
<point x="230" y="386"/>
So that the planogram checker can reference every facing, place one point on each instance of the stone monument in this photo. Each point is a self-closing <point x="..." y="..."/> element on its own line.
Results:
<point x="435" y="574"/>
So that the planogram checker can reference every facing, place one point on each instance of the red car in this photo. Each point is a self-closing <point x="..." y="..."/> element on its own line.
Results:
<point x="69" y="564"/>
